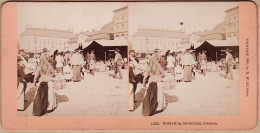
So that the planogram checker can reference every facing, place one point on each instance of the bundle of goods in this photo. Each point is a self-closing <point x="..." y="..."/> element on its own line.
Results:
<point x="59" y="82"/>
<point x="168" y="81"/>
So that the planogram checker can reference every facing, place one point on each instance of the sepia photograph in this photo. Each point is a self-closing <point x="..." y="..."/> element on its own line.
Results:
<point x="184" y="59"/>
<point x="72" y="59"/>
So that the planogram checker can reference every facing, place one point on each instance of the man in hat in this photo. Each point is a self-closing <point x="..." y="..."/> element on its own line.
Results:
<point x="92" y="61"/>
<point x="203" y="62"/>
<point x="229" y="64"/>
<point x="118" y="63"/>
<point x="187" y="62"/>
<point x="77" y="62"/>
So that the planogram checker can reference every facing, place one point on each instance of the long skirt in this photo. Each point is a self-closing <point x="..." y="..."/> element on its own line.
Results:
<point x="187" y="73"/>
<point x="40" y="103"/>
<point x="76" y="73"/>
<point x="51" y="97"/>
<point x="132" y="90"/>
<point x="150" y="102"/>
<point x="131" y="97"/>
<point x="161" y="97"/>
<point x="20" y="96"/>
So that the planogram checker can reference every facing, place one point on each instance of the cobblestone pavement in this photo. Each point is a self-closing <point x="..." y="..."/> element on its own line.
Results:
<point x="210" y="95"/>
<point x="99" y="95"/>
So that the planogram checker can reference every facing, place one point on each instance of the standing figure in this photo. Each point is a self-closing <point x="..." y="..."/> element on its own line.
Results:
<point x="229" y="64"/>
<point x="21" y="84"/>
<point x="45" y="96"/>
<point x="92" y="62"/>
<point x="60" y="61"/>
<point x="179" y="74"/>
<point x="203" y="62"/>
<point x="87" y="61"/>
<point x="170" y="63"/>
<point x="199" y="63"/>
<point x="187" y="62"/>
<point x="133" y="66"/>
<point x="77" y="62"/>
<point x="118" y="63"/>
<point x="156" y="72"/>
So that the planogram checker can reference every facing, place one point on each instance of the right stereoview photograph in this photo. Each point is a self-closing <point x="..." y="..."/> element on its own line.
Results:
<point x="184" y="59"/>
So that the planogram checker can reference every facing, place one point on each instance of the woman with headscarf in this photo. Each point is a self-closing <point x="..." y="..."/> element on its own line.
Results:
<point x="45" y="97"/>
<point x="156" y="72"/>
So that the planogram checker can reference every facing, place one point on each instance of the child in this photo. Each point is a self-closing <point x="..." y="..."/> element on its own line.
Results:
<point x="68" y="73"/>
<point x="179" y="74"/>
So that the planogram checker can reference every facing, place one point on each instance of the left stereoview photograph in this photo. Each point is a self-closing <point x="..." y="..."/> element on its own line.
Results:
<point x="72" y="59"/>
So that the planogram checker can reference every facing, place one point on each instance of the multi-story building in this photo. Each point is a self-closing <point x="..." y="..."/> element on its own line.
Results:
<point x="120" y="21"/>
<point x="105" y="33"/>
<point x="232" y="23"/>
<point x="34" y="39"/>
<point x="218" y="33"/>
<point x="146" y="40"/>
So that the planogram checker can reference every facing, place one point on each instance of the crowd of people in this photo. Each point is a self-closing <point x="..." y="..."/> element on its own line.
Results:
<point x="163" y="71"/>
<point x="47" y="67"/>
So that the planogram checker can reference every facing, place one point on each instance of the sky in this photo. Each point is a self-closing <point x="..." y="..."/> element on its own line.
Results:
<point x="64" y="15"/>
<point x="197" y="16"/>
<point x="83" y="16"/>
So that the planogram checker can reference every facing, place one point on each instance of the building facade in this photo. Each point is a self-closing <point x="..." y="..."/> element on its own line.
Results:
<point x="120" y="21"/>
<point x="146" y="40"/>
<point x="34" y="39"/>
<point x="232" y="23"/>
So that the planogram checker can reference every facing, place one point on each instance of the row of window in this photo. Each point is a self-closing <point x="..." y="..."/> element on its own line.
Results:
<point x="121" y="37"/>
<point x="232" y="28"/>
<point x="120" y="19"/>
<point x="39" y="47"/>
<point x="232" y="19"/>
<point x="232" y="36"/>
<point x="162" y="42"/>
<point x="40" y="44"/>
<point x="43" y="42"/>
<point x="121" y="28"/>
<point x="154" y="46"/>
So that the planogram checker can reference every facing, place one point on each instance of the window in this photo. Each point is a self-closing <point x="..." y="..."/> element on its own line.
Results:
<point x="117" y="37"/>
<point x="117" y="28"/>
<point x="122" y="27"/>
